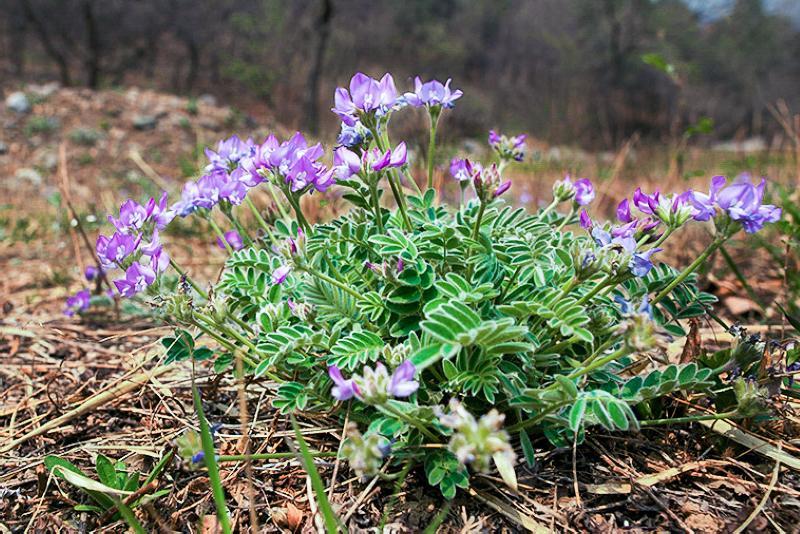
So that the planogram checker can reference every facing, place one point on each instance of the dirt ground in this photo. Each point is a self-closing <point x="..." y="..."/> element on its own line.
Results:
<point x="80" y="387"/>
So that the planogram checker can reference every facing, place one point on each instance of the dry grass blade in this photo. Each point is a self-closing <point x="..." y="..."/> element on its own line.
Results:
<point x="131" y="384"/>
<point x="524" y="521"/>
<point x="752" y="442"/>
<point x="763" y="502"/>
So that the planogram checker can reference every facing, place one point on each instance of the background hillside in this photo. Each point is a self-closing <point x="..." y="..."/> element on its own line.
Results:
<point x="592" y="72"/>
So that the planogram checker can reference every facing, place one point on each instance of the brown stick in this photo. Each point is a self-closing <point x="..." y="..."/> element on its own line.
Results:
<point x="64" y="187"/>
<point x="147" y="488"/>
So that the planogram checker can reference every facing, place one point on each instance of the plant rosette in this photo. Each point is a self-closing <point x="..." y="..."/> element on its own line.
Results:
<point x="450" y="333"/>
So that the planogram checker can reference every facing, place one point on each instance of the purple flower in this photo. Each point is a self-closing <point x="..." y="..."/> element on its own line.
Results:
<point x="202" y="194"/>
<point x="644" y="202"/>
<point x="233" y="239"/>
<point x="402" y="383"/>
<point x="706" y="205"/>
<point x="280" y="274"/>
<point x="377" y="161"/>
<point x="259" y="160"/>
<point x="137" y="278"/>
<point x="342" y="389"/>
<point x="640" y="263"/>
<point x="626" y="230"/>
<point x="584" y="192"/>
<point x="375" y="386"/>
<point x="627" y="308"/>
<point x="366" y="95"/>
<point x="432" y="94"/>
<point x="624" y="211"/>
<point x="117" y="248"/>
<point x="502" y="188"/>
<point x="160" y="213"/>
<point x="586" y="222"/>
<point x="132" y="217"/>
<point x="742" y="200"/>
<point x="345" y="163"/>
<point x="77" y="303"/>
<point x="463" y="169"/>
<point x="229" y="152"/>
<point x="352" y="136"/>
<point x="91" y="273"/>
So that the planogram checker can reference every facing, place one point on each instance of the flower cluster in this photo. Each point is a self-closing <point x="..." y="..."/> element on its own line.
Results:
<point x="581" y="191"/>
<point x="142" y="261"/>
<point x="742" y="201"/>
<point x="432" y="94"/>
<point x="476" y="442"/>
<point x="375" y="386"/>
<point x="365" y="454"/>
<point x="508" y="148"/>
<point x="294" y="163"/>
<point x="366" y="98"/>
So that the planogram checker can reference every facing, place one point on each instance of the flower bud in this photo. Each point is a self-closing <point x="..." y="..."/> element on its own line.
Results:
<point x="751" y="400"/>
<point x="476" y="442"/>
<point x="301" y="310"/>
<point x="563" y="189"/>
<point x="365" y="454"/>
<point x="179" y="306"/>
<point x="190" y="448"/>
<point x="639" y="332"/>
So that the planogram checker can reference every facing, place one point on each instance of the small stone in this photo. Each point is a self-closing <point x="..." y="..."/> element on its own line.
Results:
<point x="18" y="102"/>
<point x="45" y="90"/>
<point x="145" y="122"/>
<point x="29" y="175"/>
<point x="207" y="99"/>
<point x="3" y="148"/>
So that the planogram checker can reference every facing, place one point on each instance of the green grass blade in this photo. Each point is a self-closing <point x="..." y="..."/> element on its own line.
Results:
<point x="162" y="463"/>
<point x="332" y="525"/>
<point x="210" y="460"/>
<point x="129" y="517"/>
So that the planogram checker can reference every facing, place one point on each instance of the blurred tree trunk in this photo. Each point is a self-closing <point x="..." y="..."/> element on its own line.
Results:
<point x="49" y="47"/>
<point x="17" y="33"/>
<point x="323" y="29"/>
<point x="92" y="61"/>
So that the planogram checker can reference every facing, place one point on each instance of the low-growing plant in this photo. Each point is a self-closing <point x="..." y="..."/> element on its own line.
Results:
<point x="450" y="334"/>
<point x="39" y="124"/>
<point x="116" y="491"/>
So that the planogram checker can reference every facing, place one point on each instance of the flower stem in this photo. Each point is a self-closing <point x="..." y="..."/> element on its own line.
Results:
<point x="432" y="148"/>
<point x="394" y="182"/>
<point x="476" y="229"/>
<point x="270" y="456"/>
<point x="691" y="419"/>
<point x="376" y="204"/>
<point x="550" y="207"/>
<point x="595" y="290"/>
<point x="261" y="222"/>
<point x="701" y="259"/>
<point x="188" y="279"/>
<point x="591" y="363"/>
<point x="220" y="234"/>
<point x="567" y="218"/>
<point x="301" y="220"/>
<point x="475" y="232"/>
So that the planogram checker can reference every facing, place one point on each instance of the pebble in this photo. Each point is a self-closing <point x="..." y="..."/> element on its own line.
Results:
<point x="18" y="102"/>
